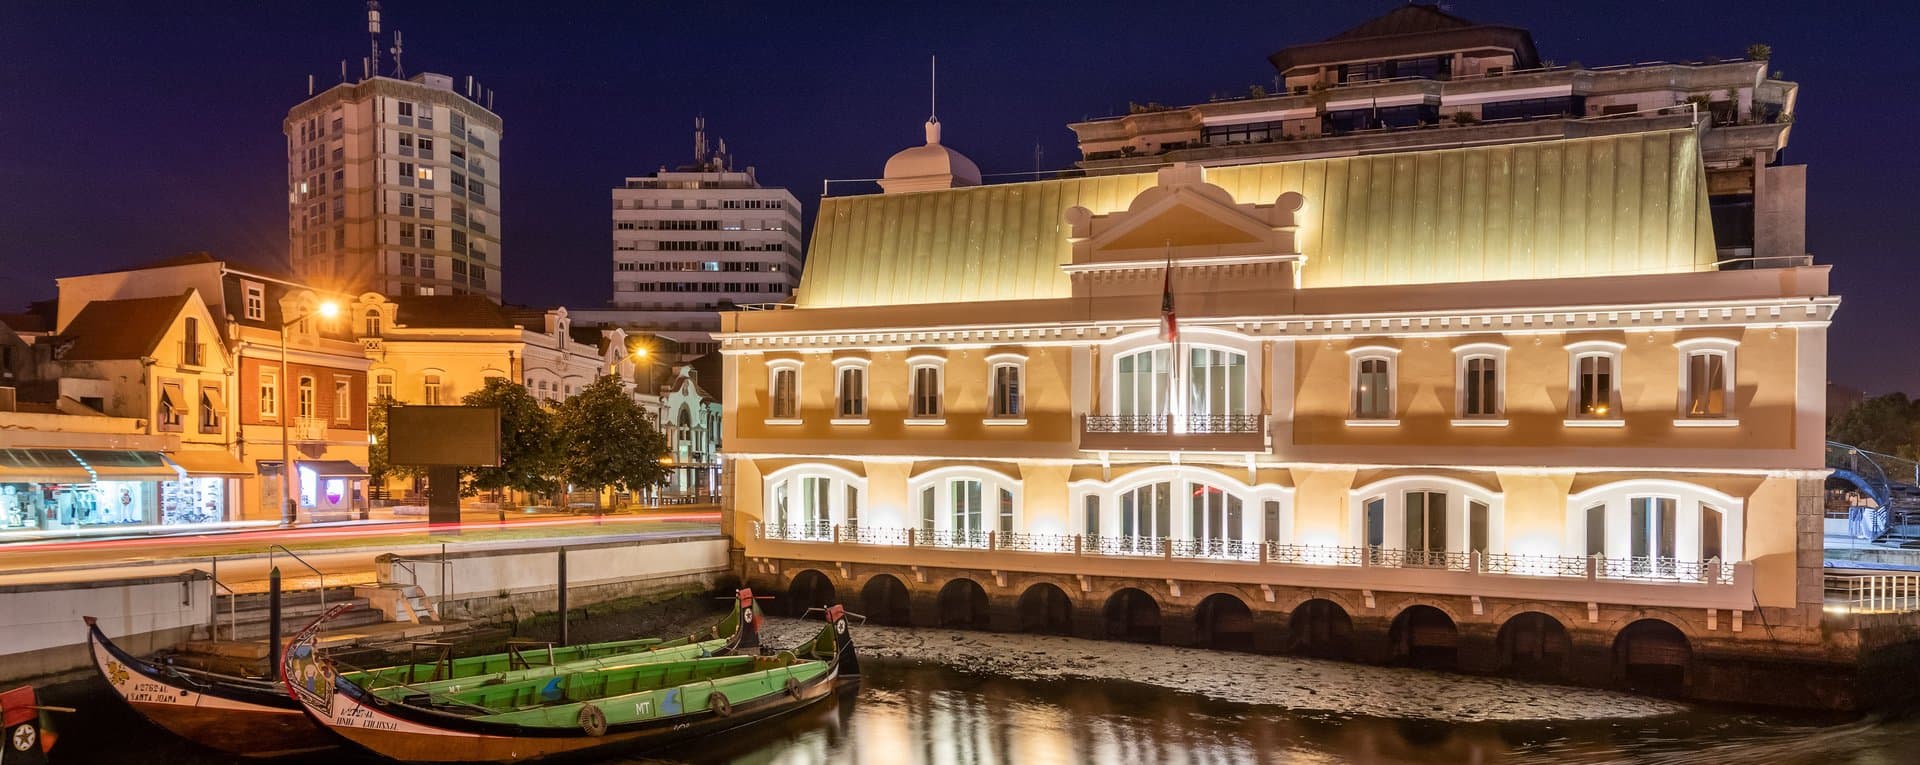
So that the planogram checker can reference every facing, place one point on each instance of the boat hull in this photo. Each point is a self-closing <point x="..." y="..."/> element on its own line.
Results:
<point x="236" y="719"/>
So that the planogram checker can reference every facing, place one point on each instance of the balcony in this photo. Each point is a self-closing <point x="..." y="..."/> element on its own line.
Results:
<point x="309" y="429"/>
<point x="1662" y="581"/>
<point x="1166" y="432"/>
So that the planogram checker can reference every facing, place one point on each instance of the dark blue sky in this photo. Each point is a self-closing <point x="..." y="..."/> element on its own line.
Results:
<point x="136" y="130"/>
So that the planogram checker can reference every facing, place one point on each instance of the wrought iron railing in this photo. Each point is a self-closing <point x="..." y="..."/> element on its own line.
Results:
<point x="1128" y="423"/>
<point x="1223" y="423"/>
<point x="1640" y="569"/>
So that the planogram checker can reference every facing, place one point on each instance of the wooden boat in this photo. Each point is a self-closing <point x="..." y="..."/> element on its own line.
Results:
<point x="25" y="736"/>
<point x="254" y="717"/>
<point x="638" y="707"/>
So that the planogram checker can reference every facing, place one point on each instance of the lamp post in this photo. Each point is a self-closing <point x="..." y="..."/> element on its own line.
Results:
<point x="289" y="504"/>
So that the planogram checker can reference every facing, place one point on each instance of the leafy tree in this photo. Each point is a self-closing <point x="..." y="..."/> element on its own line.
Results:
<point x="608" y="440"/>
<point x="378" y="469"/>
<point x="1882" y="424"/>
<point x="529" y="450"/>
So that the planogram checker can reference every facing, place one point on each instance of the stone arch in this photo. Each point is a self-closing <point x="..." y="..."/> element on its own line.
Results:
<point x="886" y="600"/>
<point x="1132" y="615"/>
<point x="1535" y="646"/>
<point x="1652" y="656"/>
<point x="1320" y="627"/>
<point x="963" y="604"/>
<point x="1426" y="637"/>
<point x="1046" y="609"/>
<point x="809" y="589"/>
<point x="1223" y="622"/>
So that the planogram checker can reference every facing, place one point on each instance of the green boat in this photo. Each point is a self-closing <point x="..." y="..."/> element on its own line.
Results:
<point x="629" y="707"/>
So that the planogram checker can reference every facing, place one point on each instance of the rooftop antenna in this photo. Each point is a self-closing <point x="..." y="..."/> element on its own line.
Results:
<point x="309" y="84"/>
<point x="699" y="140"/>
<point x="933" y="88"/>
<point x="343" y="70"/>
<point x="373" y="36"/>
<point x="1039" y="155"/>
<point x="398" y="70"/>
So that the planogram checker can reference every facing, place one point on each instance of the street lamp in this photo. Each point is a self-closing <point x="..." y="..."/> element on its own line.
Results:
<point x="289" y="505"/>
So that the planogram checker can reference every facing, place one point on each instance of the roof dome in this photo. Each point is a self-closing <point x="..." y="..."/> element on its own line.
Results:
<point x="929" y="167"/>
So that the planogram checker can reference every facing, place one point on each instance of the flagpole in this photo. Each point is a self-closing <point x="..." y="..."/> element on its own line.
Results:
<point x="1170" y="328"/>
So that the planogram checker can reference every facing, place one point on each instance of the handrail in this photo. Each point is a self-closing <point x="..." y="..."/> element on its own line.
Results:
<point x="213" y="616"/>
<point x="303" y="562"/>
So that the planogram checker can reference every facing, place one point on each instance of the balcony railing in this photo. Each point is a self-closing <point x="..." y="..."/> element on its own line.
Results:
<point x="1633" y="569"/>
<point x="309" y="429"/>
<point x="1198" y="432"/>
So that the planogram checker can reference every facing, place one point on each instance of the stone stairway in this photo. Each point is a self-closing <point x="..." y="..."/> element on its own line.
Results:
<point x="238" y="644"/>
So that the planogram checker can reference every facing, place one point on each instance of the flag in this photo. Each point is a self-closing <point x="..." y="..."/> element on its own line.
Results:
<point x="1169" y="323"/>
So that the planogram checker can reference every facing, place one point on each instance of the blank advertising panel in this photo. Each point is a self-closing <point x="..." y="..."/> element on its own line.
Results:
<point x="443" y="435"/>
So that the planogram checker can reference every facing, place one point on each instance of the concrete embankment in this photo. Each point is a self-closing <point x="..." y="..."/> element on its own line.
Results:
<point x="42" y="633"/>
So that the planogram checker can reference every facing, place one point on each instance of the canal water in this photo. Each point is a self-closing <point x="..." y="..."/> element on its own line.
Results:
<point x="908" y="712"/>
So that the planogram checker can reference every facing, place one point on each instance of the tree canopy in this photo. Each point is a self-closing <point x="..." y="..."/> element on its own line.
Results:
<point x="609" y="441"/>
<point x="1884" y="424"/>
<point x="529" y="445"/>
<point x="378" y="469"/>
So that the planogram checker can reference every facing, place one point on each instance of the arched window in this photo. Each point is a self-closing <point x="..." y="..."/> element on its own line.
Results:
<point x="1216" y="520"/>
<point x="1141" y="381"/>
<point x="1007" y="391"/>
<point x="783" y="391"/>
<point x="925" y="392"/>
<point x="807" y="501"/>
<point x="850" y="390"/>
<point x="373" y="322"/>
<point x="1372" y="372"/>
<point x="1198" y="511"/>
<point x="1656" y="528"/>
<point x="1593" y="386"/>
<point x="307" y="396"/>
<point x="1146" y="515"/>
<point x="1481" y="384"/>
<point x="1706" y="380"/>
<point x="1433" y="521"/>
<point x="958" y="506"/>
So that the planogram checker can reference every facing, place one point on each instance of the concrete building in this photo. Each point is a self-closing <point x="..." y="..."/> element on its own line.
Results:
<point x="1498" y="407"/>
<point x="313" y="398"/>
<point x="691" y="241"/>
<point x="393" y="186"/>
<point x="1419" y="77"/>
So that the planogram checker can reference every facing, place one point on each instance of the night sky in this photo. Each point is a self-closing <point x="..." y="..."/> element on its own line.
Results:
<point x="139" y="130"/>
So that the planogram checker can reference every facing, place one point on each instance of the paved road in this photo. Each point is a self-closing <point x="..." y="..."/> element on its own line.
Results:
<point x="243" y="562"/>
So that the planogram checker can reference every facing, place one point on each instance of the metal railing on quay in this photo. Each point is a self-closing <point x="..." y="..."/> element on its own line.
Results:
<point x="272" y="550"/>
<point x="1875" y="593"/>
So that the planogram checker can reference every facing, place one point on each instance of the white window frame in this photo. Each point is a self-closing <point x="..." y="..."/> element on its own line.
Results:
<point x="941" y="479"/>
<point x="254" y="300"/>
<point x="1253" y="499"/>
<point x="1689" y="498"/>
<point x="1594" y="348"/>
<point x="383" y="381"/>
<point x="939" y="366"/>
<point x="996" y="362"/>
<point x="839" y="393"/>
<point x="1174" y="403"/>
<point x="1467" y="353"/>
<point x="1459" y="524"/>
<point x="793" y="478"/>
<point x="267" y="394"/>
<point x="774" y="368"/>
<point x="1712" y="346"/>
<point x="1354" y="358"/>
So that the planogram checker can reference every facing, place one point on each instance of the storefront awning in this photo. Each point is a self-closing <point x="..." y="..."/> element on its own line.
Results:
<point x="208" y="462"/>
<point x="127" y="465"/>
<point x="333" y="468"/>
<point x="42" y="465"/>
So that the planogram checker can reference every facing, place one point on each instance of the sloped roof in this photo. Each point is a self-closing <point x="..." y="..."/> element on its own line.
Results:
<point x="1617" y="204"/>
<point x="451" y="312"/>
<point x="1412" y="18"/>
<point x="707" y="374"/>
<point x="119" y="329"/>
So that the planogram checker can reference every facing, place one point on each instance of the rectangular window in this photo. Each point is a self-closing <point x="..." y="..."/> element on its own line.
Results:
<point x="1006" y="390"/>
<point x="784" y="405"/>
<point x="1426" y="525"/>
<point x="269" y="399"/>
<point x="213" y="408"/>
<point x="1597" y="530"/>
<point x="190" y="350"/>
<point x="1090" y="514"/>
<point x="383" y="387"/>
<point x="1595" y="383"/>
<point x="1706" y="385"/>
<point x="1481" y="384"/>
<point x="342" y="400"/>
<point x="926" y="391"/>
<point x="256" y="300"/>
<point x="853" y="392"/>
<point x="1270" y="520"/>
<point x="853" y="506"/>
<point x="307" y="398"/>
<point x="1006" y="512"/>
<point x="926" y="514"/>
<point x="431" y="389"/>
<point x="173" y="406"/>
<point x="1373" y="390"/>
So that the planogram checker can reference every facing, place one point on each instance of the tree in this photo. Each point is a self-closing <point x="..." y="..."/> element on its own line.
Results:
<point x="1882" y="424"/>
<point x="378" y="469"/>
<point x="608" y="440"/>
<point x="529" y="449"/>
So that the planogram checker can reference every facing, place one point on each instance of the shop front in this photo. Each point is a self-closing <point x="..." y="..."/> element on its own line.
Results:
<point x="206" y="490"/>
<point x="55" y="489"/>
<point x="329" y="490"/>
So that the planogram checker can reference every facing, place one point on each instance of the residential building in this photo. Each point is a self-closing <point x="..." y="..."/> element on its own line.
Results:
<point x="306" y="400"/>
<point x="690" y="418"/>
<point x="1420" y="77"/>
<point x="393" y="186"/>
<point x="49" y="481"/>
<point x="697" y="239"/>
<point x="1491" y="406"/>
<point x="436" y="349"/>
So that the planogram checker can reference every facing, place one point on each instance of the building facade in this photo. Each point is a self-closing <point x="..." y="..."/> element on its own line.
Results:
<point x="393" y="186"/>
<point x="691" y="241"/>
<point x="1497" y="407"/>
<point x="1421" y="77"/>
<point x="305" y="400"/>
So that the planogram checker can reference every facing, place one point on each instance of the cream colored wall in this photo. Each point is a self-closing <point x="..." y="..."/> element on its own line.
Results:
<point x="463" y="367"/>
<point x="1771" y="538"/>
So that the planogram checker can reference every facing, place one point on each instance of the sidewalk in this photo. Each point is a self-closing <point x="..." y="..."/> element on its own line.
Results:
<point x="379" y="516"/>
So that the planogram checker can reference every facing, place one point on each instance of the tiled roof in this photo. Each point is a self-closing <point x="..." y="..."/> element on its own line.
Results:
<point x="119" y="329"/>
<point x="1617" y="204"/>
<point x="451" y="312"/>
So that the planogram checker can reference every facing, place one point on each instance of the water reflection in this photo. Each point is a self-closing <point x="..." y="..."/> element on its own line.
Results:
<point x="905" y="714"/>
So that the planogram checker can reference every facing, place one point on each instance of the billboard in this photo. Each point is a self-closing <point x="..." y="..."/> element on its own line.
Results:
<point x="443" y="435"/>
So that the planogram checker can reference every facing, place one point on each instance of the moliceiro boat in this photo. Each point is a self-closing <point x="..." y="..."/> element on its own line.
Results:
<point x="634" y="707"/>
<point x="254" y="717"/>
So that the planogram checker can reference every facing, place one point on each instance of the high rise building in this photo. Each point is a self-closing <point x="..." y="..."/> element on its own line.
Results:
<point x="393" y="186"/>
<point x="702" y="237"/>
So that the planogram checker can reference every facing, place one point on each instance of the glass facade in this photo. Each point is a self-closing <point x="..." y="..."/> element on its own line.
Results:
<point x="51" y="506"/>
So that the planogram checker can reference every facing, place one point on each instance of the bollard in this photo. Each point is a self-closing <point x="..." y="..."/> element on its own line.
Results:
<point x="563" y="596"/>
<point x="273" y="621"/>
